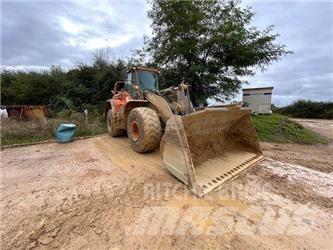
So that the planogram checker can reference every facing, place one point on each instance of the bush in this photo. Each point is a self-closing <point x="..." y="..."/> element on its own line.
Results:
<point x="308" y="109"/>
<point x="63" y="90"/>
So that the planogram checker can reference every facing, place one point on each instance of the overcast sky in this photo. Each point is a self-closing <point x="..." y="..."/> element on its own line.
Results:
<point x="38" y="34"/>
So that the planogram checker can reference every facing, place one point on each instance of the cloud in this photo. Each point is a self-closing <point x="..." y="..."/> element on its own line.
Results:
<point x="306" y="30"/>
<point x="45" y="33"/>
<point x="70" y="27"/>
<point x="38" y="34"/>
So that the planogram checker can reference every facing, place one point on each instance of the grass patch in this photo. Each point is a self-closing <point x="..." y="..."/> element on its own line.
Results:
<point x="19" y="132"/>
<point x="278" y="128"/>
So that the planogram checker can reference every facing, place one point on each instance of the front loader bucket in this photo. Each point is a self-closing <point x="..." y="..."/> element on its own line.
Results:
<point x="206" y="148"/>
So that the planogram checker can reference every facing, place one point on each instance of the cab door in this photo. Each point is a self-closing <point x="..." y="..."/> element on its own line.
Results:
<point x="128" y="83"/>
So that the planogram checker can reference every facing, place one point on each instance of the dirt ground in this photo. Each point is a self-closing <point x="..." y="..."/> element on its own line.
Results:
<point x="99" y="194"/>
<point x="323" y="127"/>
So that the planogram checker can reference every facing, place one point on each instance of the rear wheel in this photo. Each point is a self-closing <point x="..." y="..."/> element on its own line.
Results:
<point x="144" y="129"/>
<point x="111" y="122"/>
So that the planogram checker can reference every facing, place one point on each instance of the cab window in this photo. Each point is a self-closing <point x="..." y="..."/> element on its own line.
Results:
<point x="148" y="80"/>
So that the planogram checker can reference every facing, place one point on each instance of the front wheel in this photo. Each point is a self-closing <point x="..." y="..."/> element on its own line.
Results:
<point x="111" y="122"/>
<point x="144" y="129"/>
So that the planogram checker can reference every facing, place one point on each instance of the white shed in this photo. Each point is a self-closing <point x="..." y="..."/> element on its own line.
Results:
<point x="258" y="99"/>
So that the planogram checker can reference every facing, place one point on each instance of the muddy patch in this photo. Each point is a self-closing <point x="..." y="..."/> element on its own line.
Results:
<point x="296" y="183"/>
<point x="318" y="157"/>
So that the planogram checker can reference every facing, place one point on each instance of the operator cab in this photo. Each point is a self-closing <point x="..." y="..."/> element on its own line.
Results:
<point x="146" y="78"/>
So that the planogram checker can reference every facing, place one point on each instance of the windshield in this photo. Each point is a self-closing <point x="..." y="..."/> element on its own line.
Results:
<point x="148" y="80"/>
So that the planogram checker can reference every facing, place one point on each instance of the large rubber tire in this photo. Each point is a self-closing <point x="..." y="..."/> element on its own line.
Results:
<point x="111" y="122"/>
<point x="144" y="129"/>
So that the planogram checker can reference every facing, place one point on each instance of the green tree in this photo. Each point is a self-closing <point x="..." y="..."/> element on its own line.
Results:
<point x="32" y="88"/>
<point x="210" y="43"/>
<point x="82" y="86"/>
<point x="92" y="84"/>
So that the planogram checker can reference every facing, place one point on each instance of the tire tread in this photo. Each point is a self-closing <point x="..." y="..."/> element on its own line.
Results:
<point x="152" y="129"/>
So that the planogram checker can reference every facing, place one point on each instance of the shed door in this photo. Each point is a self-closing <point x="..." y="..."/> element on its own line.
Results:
<point x="264" y="108"/>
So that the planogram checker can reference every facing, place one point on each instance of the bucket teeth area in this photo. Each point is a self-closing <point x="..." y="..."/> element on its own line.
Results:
<point x="216" y="181"/>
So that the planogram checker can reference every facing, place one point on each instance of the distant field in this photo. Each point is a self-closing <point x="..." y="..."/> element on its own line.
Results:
<point x="280" y="129"/>
<point x="21" y="132"/>
<point x="270" y="128"/>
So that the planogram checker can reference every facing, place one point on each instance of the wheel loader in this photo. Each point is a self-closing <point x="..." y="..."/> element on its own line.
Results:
<point x="203" y="148"/>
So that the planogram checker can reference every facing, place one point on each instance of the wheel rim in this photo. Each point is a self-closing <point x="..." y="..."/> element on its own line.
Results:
<point x="135" y="131"/>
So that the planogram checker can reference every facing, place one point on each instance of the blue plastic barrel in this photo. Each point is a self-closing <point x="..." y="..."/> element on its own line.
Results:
<point x="65" y="132"/>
